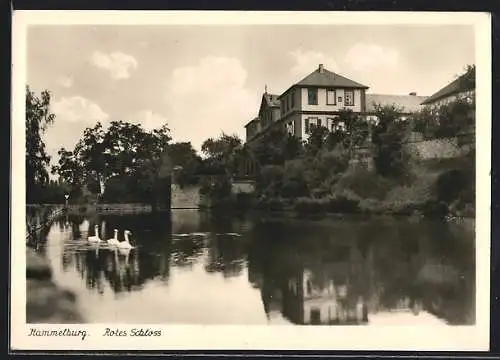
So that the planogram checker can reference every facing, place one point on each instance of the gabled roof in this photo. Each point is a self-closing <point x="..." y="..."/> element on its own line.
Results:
<point x="326" y="78"/>
<point x="252" y="121"/>
<point x="322" y="77"/>
<point x="455" y="87"/>
<point x="272" y="100"/>
<point x="409" y="103"/>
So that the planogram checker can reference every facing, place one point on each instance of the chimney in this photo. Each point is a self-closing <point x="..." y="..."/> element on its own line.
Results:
<point x="320" y="68"/>
<point x="413" y="94"/>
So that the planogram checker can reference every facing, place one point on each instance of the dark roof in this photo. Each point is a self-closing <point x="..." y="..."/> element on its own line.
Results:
<point x="252" y="121"/>
<point x="409" y="103"/>
<point x="322" y="77"/>
<point x="272" y="100"/>
<point x="455" y="87"/>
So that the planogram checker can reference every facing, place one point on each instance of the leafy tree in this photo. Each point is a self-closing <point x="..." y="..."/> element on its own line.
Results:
<point x="38" y="118"/>
<point x="124" y="152"/>
<point x="468" y="78"/>
<point x="391" y="159"/>
<point x="317" y="140"/>
<point x="277" y="146"/>
<point x="222" y="147"/>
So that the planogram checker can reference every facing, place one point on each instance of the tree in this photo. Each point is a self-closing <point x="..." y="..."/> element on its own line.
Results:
<point x="391" y="159"/>
<point x="468" y="78"/>
<point x="222" y="147"/>
<point x="124" y="152"/>
<point x="38" y="118"/>
<point x="183" y="155"/>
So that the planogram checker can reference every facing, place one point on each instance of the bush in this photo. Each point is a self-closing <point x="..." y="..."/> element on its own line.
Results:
<point x="271" y="204"/>
<point x="372" y="206"/>
<point x="366" y="184"/>
<point x="311" y="206"/>
<point x="344" y="202"/>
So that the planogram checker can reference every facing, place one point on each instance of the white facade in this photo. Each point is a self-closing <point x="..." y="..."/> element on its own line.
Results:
<point x="336" y="100"/>
<point x="453" y="97"/>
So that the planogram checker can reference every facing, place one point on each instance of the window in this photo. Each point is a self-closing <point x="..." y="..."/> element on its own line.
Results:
<point x="315" y="316"/>
<point x="312" y="96"/>
<point x="309" y="123"/>
<point x="290" y="127"/>
<point x="331" y="121"/>
<point x="330" y="97"/>
<point x="318" y="122"/>
<point x="349" y="98"/>
<point x="339" y="99"/>
<point x="290" y="97"/>
<point x="293" y="99"/>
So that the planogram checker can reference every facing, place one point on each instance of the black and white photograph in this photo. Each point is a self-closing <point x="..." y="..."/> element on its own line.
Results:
<point x="314" y="177"/>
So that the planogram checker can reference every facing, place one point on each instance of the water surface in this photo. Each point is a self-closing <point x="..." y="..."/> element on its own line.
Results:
<point x="198" y="268"/>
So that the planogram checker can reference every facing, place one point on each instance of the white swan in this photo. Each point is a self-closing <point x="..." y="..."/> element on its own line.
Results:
<point x="95" y="239"/>
<point x="114" y="240"/>
<point x="126" y="243"/>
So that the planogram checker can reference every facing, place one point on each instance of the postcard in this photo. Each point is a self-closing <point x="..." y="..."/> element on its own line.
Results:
<point x="250" y="180"/>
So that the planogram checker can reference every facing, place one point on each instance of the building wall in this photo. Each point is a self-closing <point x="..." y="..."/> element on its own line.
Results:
<point x="290" y="102"/>
<point x="326" y="120"/>
<point x="449" y="99"/>
<point x="322" y="105"/>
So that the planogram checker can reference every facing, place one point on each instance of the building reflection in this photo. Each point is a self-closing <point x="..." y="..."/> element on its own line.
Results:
<point x="328" y="280"/>
<point x="312" y="293"/>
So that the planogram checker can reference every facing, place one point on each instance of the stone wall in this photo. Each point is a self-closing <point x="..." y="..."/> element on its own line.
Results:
<point x="187" y="197"/>
<point x="243" y="186"/>
<point x="435" y="149"/>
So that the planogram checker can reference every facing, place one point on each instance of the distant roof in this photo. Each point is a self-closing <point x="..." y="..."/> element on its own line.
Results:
<point x="251" y="121"/>
<point x="409" y="103"/>
<point x="272" y="100"/>
<point x="322" y="77"/>
<point x="455" y="87"/>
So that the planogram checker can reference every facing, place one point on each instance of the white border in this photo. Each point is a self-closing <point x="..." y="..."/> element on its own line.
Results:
<point x="180" y="337"/>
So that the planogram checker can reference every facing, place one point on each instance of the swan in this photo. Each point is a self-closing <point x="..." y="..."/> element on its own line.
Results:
<point x="95" y="238"/>
<point x="114" y="240"/>
<point x="126" y="243"/>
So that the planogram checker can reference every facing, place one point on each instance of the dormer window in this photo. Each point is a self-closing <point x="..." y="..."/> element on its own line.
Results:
<point x="312" y="96"/>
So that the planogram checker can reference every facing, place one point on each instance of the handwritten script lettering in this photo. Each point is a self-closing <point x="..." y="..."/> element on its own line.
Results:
<point x="132" y="332"/>
<point x="53" y="333"/>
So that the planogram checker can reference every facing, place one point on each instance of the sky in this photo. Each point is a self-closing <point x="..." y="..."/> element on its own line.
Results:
<point x="205" y="80"/>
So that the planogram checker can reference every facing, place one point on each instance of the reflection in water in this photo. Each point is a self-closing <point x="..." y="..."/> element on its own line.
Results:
<point x="193" y="267"/>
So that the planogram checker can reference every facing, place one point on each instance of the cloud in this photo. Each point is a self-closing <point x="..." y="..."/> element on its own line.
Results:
<point x="207" y="98"/>
<point x="65" y="81"/>
<point x="307" y="61"/>
<point x="370" y="56"/>
<point x="77" y="109"/>
<point x="118" y="64"/>
<point x="148" y="119"/>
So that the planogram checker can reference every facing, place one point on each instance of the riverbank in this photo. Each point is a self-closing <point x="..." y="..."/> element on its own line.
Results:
<point x="45" y="301"/>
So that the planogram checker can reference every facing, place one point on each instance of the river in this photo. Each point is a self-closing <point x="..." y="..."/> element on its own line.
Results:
<point x="195" y="267"/>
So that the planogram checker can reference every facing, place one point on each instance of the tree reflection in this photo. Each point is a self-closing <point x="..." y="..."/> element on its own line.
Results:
<point x="344" y="274"/>
<point x="226" y="254"/>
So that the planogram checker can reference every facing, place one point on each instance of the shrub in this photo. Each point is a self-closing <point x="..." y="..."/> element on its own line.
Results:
<point x="372" y="206"/>
<point x="366" y="184"/>
<point x="311" y="206"/>
<point x="345" y="201"/>
<point x="271" y="204"/>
